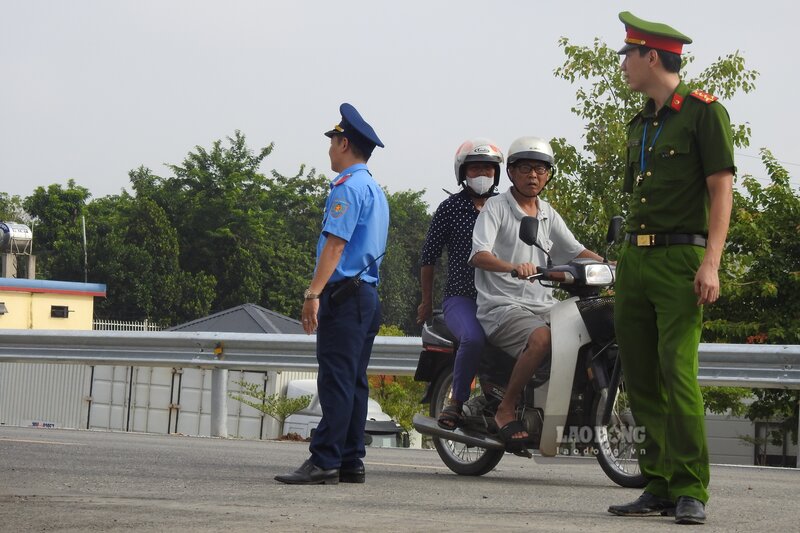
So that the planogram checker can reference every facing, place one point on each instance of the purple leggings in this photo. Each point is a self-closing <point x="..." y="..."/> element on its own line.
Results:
<point x="459" y="315"/>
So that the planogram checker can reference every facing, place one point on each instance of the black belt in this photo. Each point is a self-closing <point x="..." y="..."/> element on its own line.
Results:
<point x="665" y="239"/>
<point x="335" y="285"/>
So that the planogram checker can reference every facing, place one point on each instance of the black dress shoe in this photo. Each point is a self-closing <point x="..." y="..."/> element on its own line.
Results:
<point x="645" y="505"/>
<point x="352" y="475"/>
<point x="690" y="511"/>
<point x="310" y="474"/>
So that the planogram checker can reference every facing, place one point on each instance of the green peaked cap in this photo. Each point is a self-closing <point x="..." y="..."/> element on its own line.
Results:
<point x="651" y="34"/>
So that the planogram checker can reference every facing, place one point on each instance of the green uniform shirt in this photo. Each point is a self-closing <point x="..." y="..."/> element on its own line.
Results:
<point x="670" y="154"/>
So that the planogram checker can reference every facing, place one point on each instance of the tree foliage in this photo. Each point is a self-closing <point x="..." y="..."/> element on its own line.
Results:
<point x="399" y="396"/>
<point x="135" y="253"/>
<point x="276" y="406"/>
<point x="760" y="273"/>
<point x="11" y="209"/>
<point x="215" y="234"/>
<point x="399" y="289"/>
<point x="56" y="216"/>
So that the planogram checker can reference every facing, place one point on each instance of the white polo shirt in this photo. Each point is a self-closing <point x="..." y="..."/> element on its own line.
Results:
<point x="497" y="232"/>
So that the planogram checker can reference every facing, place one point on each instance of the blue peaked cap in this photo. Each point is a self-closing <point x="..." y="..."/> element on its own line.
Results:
<point x="354" y="127"/>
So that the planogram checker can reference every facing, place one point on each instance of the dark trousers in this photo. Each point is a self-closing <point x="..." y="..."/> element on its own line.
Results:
<point x="459" y="315"/>
<point x="345" y="335"/>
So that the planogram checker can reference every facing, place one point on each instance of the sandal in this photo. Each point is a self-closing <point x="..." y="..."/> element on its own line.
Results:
<point x="514" y="444"/>
<point x="451" y="417"/>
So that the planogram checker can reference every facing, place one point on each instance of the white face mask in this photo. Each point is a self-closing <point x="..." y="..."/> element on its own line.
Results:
<point x="480" y="184"/>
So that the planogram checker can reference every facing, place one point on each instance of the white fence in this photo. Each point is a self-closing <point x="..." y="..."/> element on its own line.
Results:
<point x="121" y="325"/>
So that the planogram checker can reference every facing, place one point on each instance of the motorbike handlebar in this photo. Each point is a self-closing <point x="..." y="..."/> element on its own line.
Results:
<point x="515" y="274"/>
<point x="556" y="276"/>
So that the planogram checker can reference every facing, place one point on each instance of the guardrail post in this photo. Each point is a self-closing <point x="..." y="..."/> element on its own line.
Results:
<point x="219" y="402"/>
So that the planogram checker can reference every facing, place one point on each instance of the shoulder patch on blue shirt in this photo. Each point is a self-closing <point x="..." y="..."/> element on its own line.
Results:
<point x="338" y="208"/>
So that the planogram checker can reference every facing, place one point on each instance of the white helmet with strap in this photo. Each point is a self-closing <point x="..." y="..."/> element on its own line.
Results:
<point x="533" y="148"/>
<point x="477" y="150"/>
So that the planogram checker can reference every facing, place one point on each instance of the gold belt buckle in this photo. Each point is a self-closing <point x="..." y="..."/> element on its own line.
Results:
<point x="645" y="240"/>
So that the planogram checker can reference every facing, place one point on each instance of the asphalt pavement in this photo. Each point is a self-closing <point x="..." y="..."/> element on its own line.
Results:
<point x="67" y="480"/>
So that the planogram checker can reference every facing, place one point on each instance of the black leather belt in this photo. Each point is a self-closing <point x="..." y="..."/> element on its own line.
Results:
<point x="665" y="239"/>
<point x="335" y="285"/>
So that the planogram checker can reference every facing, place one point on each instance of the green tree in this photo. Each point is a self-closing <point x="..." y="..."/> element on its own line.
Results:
<point x="11" y="209"/>
<point x="57" y="230"/>
<point x="296" y="205"/>
<point x="252" y="235"/>
<point x="135" y="252"/>
<point x="760" y="273"/>
<point x="399" y="396"/>
<point x="399" y="289"/>
<point x="276" y="406"/>
<point x="213" y="201"/>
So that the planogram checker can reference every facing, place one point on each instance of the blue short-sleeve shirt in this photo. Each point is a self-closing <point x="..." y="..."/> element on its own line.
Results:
<point x="357" y="212"/>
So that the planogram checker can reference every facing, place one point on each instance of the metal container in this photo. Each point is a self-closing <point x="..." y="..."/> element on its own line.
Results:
<point x="15" y="238"/>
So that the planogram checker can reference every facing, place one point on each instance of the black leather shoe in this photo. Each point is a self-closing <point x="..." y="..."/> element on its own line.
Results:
<point x="310" y="474"/>
<point x="352" y="475"/>
<point x="645" y="505"/>
<point x="690" y="511"/>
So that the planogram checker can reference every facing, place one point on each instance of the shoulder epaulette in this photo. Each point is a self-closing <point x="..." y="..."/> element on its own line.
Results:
<point x="704" y="96"/>
<point x="342" y="179"/>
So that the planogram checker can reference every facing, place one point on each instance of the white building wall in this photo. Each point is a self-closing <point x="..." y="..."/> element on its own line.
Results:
<point x="165" y="400"/>
<point x="725" y="445"/>
<point x="109" y="407"/>
<point x="43" y="394"/>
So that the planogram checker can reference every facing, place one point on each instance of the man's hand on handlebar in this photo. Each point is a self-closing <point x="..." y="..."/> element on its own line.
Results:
<point x="524" y="270"/>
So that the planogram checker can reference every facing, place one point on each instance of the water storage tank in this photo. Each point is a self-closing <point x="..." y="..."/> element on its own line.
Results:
<point x="15" y="238"/>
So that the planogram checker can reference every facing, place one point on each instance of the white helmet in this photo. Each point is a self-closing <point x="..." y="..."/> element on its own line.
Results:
<point x="479" y="149"/>
<point x="533" y="148"/>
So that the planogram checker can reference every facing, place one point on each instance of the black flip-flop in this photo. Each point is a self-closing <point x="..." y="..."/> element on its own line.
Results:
<point x="514" y="444"/>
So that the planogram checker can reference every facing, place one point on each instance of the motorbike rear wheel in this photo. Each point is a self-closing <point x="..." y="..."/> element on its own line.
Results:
<point x="460" y="458"/>
<point x="616" y="441"/>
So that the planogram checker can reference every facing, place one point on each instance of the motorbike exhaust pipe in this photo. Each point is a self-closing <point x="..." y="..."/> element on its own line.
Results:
<point x="428" y="426"/>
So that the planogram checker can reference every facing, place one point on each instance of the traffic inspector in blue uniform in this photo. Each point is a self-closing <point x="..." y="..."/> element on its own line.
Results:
<point x="342" y="306"/>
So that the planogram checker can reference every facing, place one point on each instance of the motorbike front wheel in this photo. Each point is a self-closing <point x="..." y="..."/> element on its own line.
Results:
<point x="616" y="441"/>
<point x="460" y="458"/>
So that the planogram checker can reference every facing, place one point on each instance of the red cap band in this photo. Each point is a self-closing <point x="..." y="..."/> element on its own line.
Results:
<point x="649" y="40"/>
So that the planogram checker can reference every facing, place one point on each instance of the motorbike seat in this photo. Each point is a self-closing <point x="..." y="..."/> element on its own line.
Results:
<point x="438" y="324"/>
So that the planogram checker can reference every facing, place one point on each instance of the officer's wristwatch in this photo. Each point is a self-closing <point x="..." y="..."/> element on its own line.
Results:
<point x="308" y="295"/>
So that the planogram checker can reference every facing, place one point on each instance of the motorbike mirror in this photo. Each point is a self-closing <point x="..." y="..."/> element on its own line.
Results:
<point x="528" y="230"/>
<point x="614" y="230"/>
<point x="614" y="227"/>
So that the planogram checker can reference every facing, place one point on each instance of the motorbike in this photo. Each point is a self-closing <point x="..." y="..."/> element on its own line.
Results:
<point x="576" y="403"/>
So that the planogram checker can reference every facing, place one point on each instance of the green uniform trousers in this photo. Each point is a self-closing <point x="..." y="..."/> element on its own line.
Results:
<point x="658" y="327"/>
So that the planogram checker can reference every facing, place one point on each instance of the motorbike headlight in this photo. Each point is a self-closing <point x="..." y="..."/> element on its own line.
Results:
<point x="599" y="274"/>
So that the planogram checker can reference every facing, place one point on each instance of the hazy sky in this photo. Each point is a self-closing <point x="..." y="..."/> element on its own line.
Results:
<point x="93" y="89"/>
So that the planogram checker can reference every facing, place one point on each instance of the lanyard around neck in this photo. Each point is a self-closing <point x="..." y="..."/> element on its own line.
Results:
<point x="652" y="144"/>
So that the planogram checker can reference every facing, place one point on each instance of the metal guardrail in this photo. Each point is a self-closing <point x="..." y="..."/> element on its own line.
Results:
<point x="744" y="365"/>
<point x="233" y="351"/>
<point x="741" y="365"/>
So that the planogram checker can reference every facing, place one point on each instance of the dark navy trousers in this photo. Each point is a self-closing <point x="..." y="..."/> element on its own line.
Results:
<point x="345" y="334"/>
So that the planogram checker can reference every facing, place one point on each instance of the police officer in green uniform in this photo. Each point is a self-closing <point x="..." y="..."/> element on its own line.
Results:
<point x="679" y="175"/>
